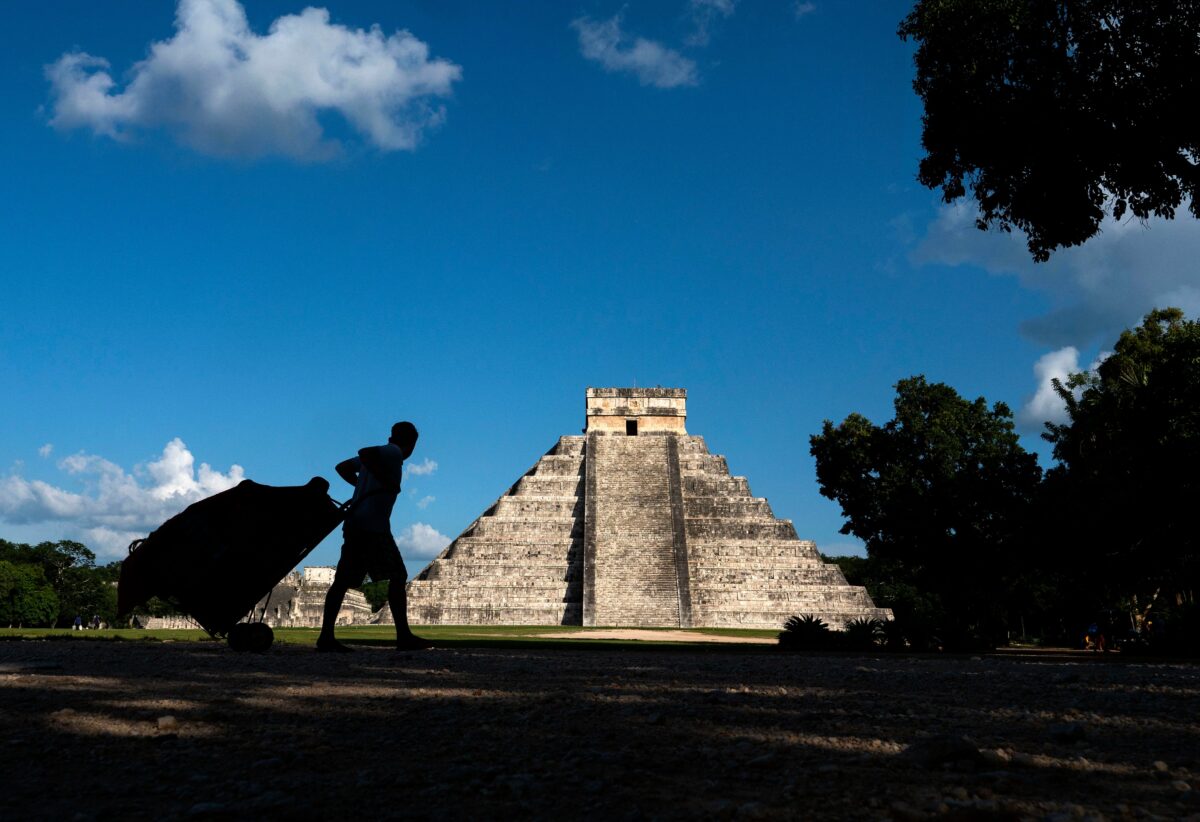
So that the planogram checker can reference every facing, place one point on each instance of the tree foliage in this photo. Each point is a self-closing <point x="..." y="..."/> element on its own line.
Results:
<point x="68" y="571"/>
<point x="940" y="495"/>
<point x="26" y="598"/>
<point x="1126" y="481"/>
<point x="1054" y="113"/>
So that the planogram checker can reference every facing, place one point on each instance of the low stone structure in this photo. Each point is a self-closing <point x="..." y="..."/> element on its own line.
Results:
<point x="634" y="523"/>
<point x="299" y="601"/>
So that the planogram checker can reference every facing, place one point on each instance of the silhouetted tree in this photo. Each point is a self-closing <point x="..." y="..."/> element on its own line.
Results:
<point x="1055" y="113"/>
<point x="940" y="495"/>
<point x="1126" y="485"/>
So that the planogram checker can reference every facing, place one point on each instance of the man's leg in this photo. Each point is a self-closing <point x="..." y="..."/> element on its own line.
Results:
<point x="333" y="605"/>
<point x="398" y="602"/>
<point x="349" y="564"/>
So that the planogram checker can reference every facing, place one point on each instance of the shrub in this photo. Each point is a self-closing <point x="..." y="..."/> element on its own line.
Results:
<point x="864" y="634"/>
<point x="804" y="633"/>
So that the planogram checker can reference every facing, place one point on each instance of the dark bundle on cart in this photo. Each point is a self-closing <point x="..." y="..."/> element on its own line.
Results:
<point x="218" y="557"/>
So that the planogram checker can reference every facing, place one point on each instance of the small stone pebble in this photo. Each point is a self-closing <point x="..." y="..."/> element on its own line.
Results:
<point x="1180" y="785"/>
<point x="168" y="723"/>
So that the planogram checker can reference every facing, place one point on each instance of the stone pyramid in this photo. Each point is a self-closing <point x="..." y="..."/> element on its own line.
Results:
<point x="634" y="523"/>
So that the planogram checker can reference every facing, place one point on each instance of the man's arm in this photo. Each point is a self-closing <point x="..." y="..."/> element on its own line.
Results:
<point x="348" y="470"/>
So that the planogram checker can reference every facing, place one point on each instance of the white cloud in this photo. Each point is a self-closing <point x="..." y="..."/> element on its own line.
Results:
<point x="425" y="502"/>
<point x="704" y="13"/>
<point x="1097" y="289"/>
<point x="222" y="89"/>
<point x="46" y="450"/>
<point x="115" y="507"/>
<point x="802" y="9"/>
<point x="421" y="469"/>
<point x="1046" y="405"/>
<point x="653" y="63"/>
<point x="843" y="549"/>
<point x="422" y="541"/>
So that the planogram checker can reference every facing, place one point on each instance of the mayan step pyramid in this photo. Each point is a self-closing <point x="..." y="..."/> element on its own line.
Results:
<point x="634" y="523"/>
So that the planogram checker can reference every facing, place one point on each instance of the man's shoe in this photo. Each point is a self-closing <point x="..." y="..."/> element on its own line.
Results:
<point x="332" y="646"/>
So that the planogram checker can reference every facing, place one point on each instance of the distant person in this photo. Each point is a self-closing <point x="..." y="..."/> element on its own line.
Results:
<point x="78" y="625"/>
<point x="95" y="622"/>
<point x="368" y="546"/>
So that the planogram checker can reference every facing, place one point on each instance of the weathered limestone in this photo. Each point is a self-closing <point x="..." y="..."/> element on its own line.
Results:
<point x="635" y="524"/>
<point x="298" y="601"/>
<point x="520" y="563"/>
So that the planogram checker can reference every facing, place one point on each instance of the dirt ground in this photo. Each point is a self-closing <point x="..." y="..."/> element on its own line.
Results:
<point x="139" y="730"/>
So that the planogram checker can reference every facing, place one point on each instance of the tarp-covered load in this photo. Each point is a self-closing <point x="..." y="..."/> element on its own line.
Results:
<point x="221" y="555"/>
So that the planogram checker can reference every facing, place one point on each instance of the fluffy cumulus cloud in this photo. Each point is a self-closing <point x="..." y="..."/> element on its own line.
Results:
<point x="224" y="90"/>
<point x="114" y="506"/>
<point x="421" y="541"/>
<point x="1046" y="405"/>
<point x="46" y="450"/>
<point x="1097" y="289"/>
<point x="421" y="469"/>
<point x="803" y="9"/>
<point x="603" y="42"/>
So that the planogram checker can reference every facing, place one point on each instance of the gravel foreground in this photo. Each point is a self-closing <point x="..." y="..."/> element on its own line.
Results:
<point x="132" y="730"/>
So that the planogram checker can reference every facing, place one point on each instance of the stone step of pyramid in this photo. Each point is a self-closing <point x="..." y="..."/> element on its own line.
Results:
<point x="734" y="508"/>
<point x="522" y="526"/>
<point x="747" y="552"/>
<point x="767" y="575"/>
<point x="476" y="549"/>
<point x="559" y="465"/>
<point x="522" y="507"/>
<point x="548" y="614"/>
<point x="843" y="596"/>
<point x="570" y="446"/>
<point x="714" y="485"/>
<point x="507" y="568"/>
<point x="703" y="464"/>
<point x="549" y="485"/>
<point x="713" y="529"/>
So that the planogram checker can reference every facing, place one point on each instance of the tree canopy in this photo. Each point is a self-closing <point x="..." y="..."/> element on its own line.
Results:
<point x="53" y="582"/>
<point x="1126" y="481"/>
<point x="940" y="494"/>
<point x="1056" y="113"/>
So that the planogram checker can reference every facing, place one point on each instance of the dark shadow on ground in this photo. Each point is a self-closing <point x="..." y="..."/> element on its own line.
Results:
<point x="617" y="731"/>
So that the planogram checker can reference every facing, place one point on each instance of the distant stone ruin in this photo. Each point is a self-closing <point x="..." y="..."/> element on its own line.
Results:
<point x="634" y="523"/>
<point x="299" y="601"/>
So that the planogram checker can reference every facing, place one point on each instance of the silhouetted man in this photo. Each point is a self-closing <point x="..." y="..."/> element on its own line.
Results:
<point x="368" y="546"/>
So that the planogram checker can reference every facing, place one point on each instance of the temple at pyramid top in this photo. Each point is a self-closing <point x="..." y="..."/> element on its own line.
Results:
<point x="633" y="411"/>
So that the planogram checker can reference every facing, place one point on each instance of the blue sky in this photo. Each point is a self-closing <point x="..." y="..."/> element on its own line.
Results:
<point x="250" y="249"/>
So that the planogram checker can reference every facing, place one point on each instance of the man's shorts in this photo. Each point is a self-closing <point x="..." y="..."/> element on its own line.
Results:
<point x="368" y="552"/>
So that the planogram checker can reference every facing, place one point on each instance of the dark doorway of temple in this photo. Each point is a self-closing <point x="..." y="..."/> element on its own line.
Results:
<point x="631" y="427"/>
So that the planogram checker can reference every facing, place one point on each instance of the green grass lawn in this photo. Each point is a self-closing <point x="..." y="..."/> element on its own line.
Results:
<point x="462" y="636"/>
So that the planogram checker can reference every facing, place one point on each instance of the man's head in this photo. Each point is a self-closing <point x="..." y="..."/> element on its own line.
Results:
<point x="404" y="436"/>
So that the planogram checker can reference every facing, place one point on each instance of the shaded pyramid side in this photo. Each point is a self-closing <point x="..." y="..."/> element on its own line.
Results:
<point x="747" y="568"/>
<point x="520" y="562"/>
